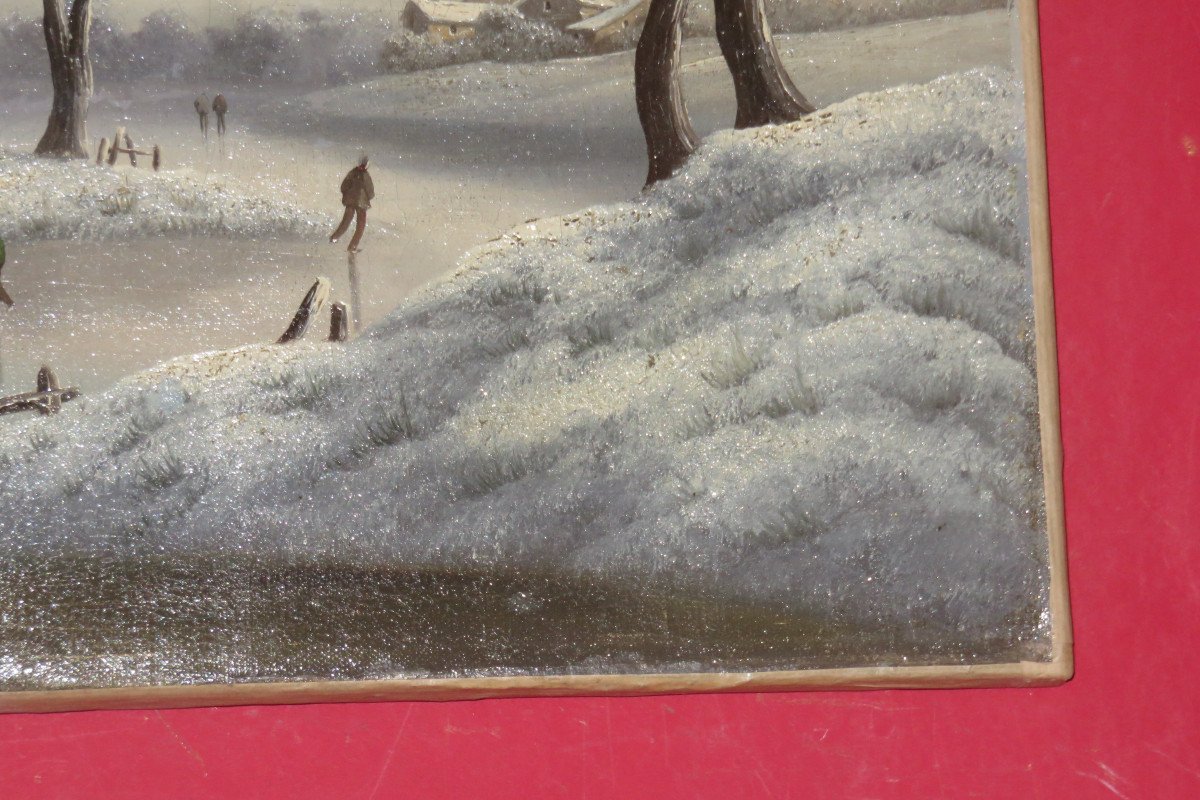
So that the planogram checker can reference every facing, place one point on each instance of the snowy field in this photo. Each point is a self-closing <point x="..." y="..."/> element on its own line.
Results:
<point x="800" y="372"/>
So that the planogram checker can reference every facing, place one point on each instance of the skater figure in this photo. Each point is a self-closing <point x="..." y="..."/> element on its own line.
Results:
<point x="219" y="107"/>
<point x="202" y="107"/>
<point x="357" y="192"/>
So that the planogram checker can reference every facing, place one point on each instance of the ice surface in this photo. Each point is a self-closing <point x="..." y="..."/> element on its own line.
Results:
<point x="800" y="370"/>
<point x="44" y="198"/>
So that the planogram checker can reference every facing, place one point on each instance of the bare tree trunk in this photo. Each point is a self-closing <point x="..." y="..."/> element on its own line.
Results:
<point x="765" y="93"/>
<point x="71" y="74"/>
<point x="670" y="138"/>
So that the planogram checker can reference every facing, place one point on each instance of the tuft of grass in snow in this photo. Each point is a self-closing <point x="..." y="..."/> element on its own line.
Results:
<point x="730" y="366"/>
<point x="41" y="440"/>
<point x="389" y="424"/>
<point x="160" y="468"/>
<point x="772" y="527"/>
<point x="593" y="330"/>
<point x="488" y="468"/>
<point x="299" y="387"/>
<point x="985" y="227"/>
<point x="795" y="396"/>
<point x="143" y="422"/>
<point x="504" y="290"/>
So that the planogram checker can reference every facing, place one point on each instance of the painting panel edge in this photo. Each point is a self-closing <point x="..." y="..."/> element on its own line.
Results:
<point x="1057" y="670"/>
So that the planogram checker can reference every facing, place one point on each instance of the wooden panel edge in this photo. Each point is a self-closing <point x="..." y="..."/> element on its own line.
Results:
<point x="1046" y="336"/>
<point x="1019" y="674"/>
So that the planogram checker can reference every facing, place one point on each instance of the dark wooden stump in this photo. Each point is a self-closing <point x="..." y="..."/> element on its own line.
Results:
<point x="312" y="303"/>
<point x="47" y="399"/>
<point x="339" y="323"/>
<point x="115" y="149"/>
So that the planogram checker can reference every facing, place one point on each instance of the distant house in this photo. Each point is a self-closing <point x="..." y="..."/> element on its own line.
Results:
<point x="596" y="29"/>
<point x="562" y="13"/>
<point x="443" y="19"/>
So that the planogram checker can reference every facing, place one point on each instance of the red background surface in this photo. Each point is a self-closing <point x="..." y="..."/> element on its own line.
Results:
<point x="1123" y="119"/>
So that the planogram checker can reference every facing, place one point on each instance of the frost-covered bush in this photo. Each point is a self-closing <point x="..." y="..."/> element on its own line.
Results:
<point x="22" y="46"/>
<point x="167" y="44"/>
<point x="54" y="199"/>
<point x="502" y="35"/>
<point x="310" y="47"/>
<point x="164" y="44"/>
<point x="307" y="47"/>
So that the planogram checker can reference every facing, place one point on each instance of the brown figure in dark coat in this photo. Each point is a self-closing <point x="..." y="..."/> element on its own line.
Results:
<point x="357" y="192"/>
<point x="219" y="107"/>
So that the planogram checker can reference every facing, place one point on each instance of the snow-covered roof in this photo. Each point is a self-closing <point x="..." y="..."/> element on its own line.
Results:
<point x="450" y="11"/>
<point x="606" y="18"/>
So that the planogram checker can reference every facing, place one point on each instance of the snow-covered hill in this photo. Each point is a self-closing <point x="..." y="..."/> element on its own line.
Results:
<point x="801" y="370"/>
<point x="44" y="198"/>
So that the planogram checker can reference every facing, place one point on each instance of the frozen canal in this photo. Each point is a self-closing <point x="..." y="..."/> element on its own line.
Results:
<point x="106" y="309"/>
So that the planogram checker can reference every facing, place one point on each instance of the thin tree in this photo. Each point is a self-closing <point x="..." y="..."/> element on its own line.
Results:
<point x="765" y="93"/>
<point x="670" y="138"/>
<point x="71" y="73"/>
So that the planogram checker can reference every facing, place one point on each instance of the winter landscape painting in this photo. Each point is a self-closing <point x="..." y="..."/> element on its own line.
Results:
<point x="446" y="348"/>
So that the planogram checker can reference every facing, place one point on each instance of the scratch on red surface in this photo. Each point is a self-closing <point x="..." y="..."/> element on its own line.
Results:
<point x="391" y="753"/>
<point x="1195" y="20"/>
<point x="1174" y="761"/>
<point x="1107" y="780"/>
<point x="65" y="737"/>
<point x="608" y="734"/>
<point x="763" y="782"/>
<point x="187" y="748"/>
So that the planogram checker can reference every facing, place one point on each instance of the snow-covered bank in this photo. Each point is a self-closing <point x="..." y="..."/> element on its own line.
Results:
<point x="801" y="370"/>
<point x="44" y="198"/>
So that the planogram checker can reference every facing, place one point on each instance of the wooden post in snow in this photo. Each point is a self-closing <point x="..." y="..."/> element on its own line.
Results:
<point x="47" y="382"/>
<point x="339" y="323"/>
<point x="113" y="151"/>
<point x="46" y="399"/>
<point x="309" y="307"/>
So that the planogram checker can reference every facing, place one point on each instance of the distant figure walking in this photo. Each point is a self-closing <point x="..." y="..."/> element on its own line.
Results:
<point x="203" y="107"/>
<point x="219" y="107"/>
<point x="357" y="192"/>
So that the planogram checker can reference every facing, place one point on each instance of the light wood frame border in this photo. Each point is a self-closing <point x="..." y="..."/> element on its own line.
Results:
<point x="1057" y="670"/>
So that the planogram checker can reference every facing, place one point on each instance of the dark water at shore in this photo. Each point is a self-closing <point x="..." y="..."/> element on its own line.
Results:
<point x="87" y="622"/>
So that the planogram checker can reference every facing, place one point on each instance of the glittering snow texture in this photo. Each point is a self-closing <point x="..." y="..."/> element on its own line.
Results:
<point x="802" y="370"/>
<point x="44" y="198"/>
